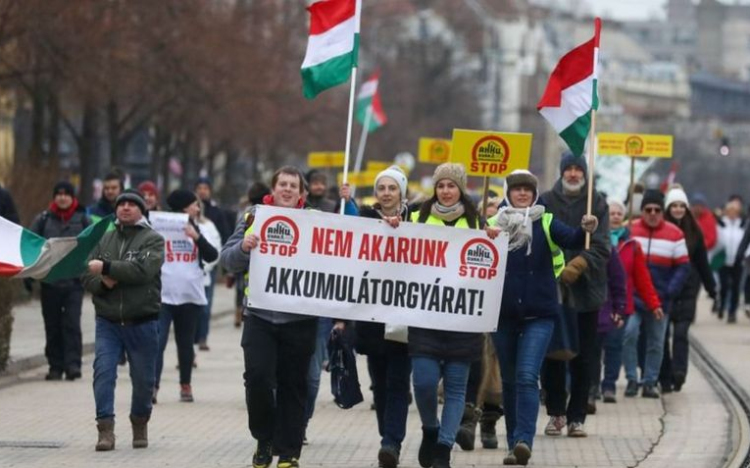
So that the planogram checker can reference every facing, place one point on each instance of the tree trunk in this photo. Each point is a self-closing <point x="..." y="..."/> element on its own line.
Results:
<point x="113" y="134"/>
<point x="37" y="126"/>
<point x="53" y="134"/>
<point x="87" y="152"/>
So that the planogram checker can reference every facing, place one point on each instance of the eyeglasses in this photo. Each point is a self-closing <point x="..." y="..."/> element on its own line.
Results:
<point x="652" y="210"/>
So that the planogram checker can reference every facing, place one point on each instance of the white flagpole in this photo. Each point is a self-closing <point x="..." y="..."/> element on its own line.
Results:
<point x="352" y="87"/>
<point x="362" y="144"/>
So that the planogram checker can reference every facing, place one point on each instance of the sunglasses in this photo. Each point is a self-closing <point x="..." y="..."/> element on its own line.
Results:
<point x="652" y="210"/>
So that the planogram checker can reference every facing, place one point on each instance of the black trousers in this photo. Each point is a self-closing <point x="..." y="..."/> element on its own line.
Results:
<point x="185" y="318"/>
<point x="675" y="359"/>
<point x="277" y="358"/>
<point x="729" y="281"/>
<point x="555" y="373"/>
<point x="61" y="309"/>
<point x="475" y="380"/>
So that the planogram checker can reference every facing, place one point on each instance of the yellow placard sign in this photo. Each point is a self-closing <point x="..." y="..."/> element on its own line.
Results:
<point x="378" y="166"/>
<point x="325" y="159"/>
<point x="636" y="145"/>
<point x="359" y="179"/>
<point x="490" y="153"/>
<point x="434" y="150"/>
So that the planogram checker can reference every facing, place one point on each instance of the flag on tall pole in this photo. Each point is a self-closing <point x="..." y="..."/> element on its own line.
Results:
<point x="368" y="100"/>
<point x="571" y="98"/>
<point x="332" y="46"/>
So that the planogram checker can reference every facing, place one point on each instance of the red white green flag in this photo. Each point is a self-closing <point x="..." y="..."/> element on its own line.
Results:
<point x="369" y="97"/>
<point x="25" y="254"/>
<point x="571" y="93"/>
<point x="333" y="45"/>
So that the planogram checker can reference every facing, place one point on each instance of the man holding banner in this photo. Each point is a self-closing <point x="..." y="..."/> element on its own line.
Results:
<point x="277" y="345"/>
<point x="584" y="289"/>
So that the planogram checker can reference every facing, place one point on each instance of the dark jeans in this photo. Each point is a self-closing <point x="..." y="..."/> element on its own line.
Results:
<point x="729" y="280"/>
<point x="185" y="318"/>
<point x="611" y="345"/>
<point x="142" y="345"/>
<point x="475" y="380"/>
<point x="554" y="377"/>
<point x="204" y="319"/>
<point x="317" y="364"/>
<point x="390" y="375"/>
<point x="521" y="347"/>
<point x="675" y="360"/>
<point x="277" y="359"/>
<point x="61" y="309"/>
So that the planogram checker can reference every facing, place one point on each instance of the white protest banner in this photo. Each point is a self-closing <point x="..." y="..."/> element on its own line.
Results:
<point x="362" y="269"/>
<point x="181" y="274"/>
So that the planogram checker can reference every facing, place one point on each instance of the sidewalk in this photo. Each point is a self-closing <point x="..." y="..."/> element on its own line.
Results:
<point x="680" y="430"/>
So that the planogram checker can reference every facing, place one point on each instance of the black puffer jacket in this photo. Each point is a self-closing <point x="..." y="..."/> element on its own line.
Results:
<point x="686" y="302"/>
<point x="369" y="335"/>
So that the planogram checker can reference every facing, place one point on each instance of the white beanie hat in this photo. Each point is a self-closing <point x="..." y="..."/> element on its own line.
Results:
<point x="397" y="174"/>
<point x="676" y="195"/>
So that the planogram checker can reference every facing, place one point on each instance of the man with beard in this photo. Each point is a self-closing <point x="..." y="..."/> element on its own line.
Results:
<point x="317" y="187"/>
<point x="111" y="189"/>
<point x="584" y="289"/>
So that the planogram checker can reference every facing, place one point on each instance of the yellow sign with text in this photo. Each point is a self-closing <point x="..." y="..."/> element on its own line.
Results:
<point x="378" y="166"/>
<point x="434" y="150"/>
<point x="359" y="179"/>
<point x="325" y="159"/>
<point x="491" y="154"/>
<point x="636" y="145"/>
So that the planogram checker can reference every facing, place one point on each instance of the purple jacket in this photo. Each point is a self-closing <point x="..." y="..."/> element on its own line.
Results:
<point x="616" y="293"/>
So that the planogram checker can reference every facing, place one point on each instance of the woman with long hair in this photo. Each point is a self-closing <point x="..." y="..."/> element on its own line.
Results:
<point x="674" y="365"/>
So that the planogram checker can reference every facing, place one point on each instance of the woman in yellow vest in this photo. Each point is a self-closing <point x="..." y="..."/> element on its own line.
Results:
<point x="529" y="303"/>
<point x="440" y="354"/>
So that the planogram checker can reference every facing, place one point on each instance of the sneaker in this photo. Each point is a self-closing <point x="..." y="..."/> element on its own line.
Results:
<point x="555" y="425"/>
<point x="632" y="389"/>
<point x="510" y="458"/>
<point x="522" y="452"/>
<point x="186" y="393"/>
<point x="388" y="457"/>
<point x="203" y="346"/>
<point x="609" y="396"/>
<point x="263" y="456"/>
<point x="732" y="319"/>
<point x="575" y="429"/>
<point x="650" y="391"/>
<point x="73" y="373"/>
<point x="679" y="380"/>
<point x="53" y="375"/>
<point x="666" y="387"/>
<point x="290" y="462"/>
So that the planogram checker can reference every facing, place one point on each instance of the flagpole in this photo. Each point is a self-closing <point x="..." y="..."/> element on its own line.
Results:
<point x="362" y="144"/>
<point x="347" y="150"/>
<point x="592" y="169"/>
<point x="631" y="191"/>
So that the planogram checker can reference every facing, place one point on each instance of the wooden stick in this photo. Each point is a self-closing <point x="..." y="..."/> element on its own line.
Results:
<point x="485" y="196"/>
<point x="632" y="189"/>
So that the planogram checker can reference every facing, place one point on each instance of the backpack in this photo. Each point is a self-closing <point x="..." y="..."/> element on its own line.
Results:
<point x="343" y="367"/>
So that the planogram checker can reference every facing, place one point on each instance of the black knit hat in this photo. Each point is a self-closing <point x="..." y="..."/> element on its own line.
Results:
<point x="181" y="199"/>
<point x="64" y="187"/>
<point x="653" y="197"/>
<point x="133" y="196"/>
<point x="569" y="159"/>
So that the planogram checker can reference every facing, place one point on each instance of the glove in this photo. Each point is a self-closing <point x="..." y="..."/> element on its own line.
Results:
<point x="589" y="223"/>
<point x="573" y="270"/>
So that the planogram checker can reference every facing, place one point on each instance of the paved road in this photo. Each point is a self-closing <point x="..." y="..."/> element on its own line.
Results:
<point x="689" y="429"/>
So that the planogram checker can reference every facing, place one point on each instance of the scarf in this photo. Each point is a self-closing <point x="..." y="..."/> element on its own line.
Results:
<point x="447" y="213"/>
<point x="616" y="234"/>
<point x="517" y="222"/>
<point x="65" y="215"/>
<point x="401" y="211"/>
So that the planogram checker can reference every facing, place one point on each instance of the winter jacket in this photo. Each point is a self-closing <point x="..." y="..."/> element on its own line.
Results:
<point x="700" y="272"/>
<point x="731" y="233"/>
<point x="530" y="289"/>
<point x="617" y="293"/>
<point x="666" y="257"/>
<point x="133" y="256"/>
<point x="709" y="227"/>
<point x="219" y="218"/>
<point x="443" y="344"/>
<point x="369" y="335"/>
<point x="234" y="260"/>
<point x="637" y="275"/>
<point x="49" y="225"/>
<point x="7" y="207"/>
<point x="589" y="292"/>
<point x="100" y="209"/>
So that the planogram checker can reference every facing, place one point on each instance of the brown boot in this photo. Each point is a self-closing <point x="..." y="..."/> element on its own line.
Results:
<point x="140" y="431"/>
<point x="238" y="317"/>
<point x="106" y="428"/>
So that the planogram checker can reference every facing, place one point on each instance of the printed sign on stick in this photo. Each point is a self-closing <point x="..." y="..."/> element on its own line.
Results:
<point x="491" y="154"/>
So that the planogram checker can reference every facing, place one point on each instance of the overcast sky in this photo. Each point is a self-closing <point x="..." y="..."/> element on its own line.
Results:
<point x="628" y="9"/>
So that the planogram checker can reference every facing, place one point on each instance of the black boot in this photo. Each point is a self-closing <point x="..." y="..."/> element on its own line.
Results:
<point x="487" y="422"/>
<point x="467" y="432"/>
<point x="442" y="456"/>
<point x="427" y="447"/>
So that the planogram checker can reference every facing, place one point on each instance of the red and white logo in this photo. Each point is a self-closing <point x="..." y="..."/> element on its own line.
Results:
<point x="279" y="236"/>
<point x="479" y="259"/>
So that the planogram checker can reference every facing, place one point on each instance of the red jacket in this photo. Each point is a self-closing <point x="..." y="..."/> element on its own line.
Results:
<point x="637" y="275"/>
<point x="707" y="222"/>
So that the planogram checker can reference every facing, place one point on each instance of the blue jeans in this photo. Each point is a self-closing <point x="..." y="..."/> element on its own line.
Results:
<point x="655" y="331"/>
<point x="141" y="342"/>
<point x="390" y="374"/>
<point x="427" y="374"/>
<point x="204" y="320"/>
<point x="317" y="364"/>
<point x="521" y="347"/>
<point x="612" y="358"/>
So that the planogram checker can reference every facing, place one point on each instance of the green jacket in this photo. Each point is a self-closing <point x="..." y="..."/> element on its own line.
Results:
<point x="133" y="256"/>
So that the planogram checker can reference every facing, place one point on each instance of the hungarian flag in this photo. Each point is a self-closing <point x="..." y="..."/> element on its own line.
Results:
<point x="369" y="97"/>
<point x="571" y="93"/>
<point x="25" y="254"/>
<point x="332" y="46"/>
